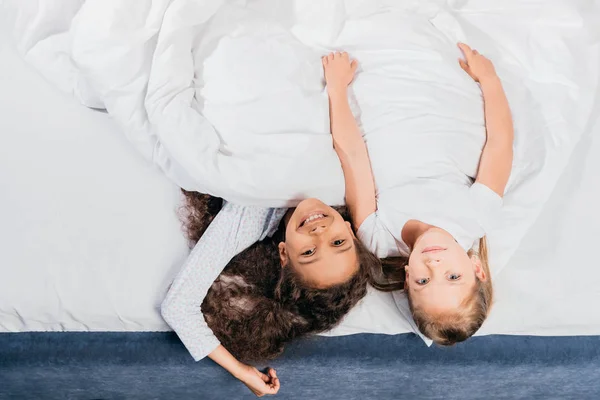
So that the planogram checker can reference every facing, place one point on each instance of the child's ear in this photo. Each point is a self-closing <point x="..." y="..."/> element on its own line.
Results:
<point x="479" y="271"/>
<point x="283" y="257"/>
<point x="405" y="279"/>
<point x="349" y="226"/>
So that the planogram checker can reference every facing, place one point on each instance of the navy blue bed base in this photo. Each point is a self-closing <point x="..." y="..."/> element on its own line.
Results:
<point x="157" y="366"/>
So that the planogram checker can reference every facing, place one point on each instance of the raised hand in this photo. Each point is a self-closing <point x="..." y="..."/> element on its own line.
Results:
<point x="477" y="66"/>
<point x="339" y="71"/>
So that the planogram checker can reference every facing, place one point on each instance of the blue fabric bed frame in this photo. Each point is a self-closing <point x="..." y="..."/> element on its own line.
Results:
<point x="157" y="366"/>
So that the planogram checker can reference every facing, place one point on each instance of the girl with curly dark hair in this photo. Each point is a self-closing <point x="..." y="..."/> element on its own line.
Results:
<point x="273" y="291"/>
<point x="259" y="278"/>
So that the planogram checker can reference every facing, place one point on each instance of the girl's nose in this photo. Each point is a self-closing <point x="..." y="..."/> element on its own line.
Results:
<point x="318" y="229"/>
<point x="432" y="261"/>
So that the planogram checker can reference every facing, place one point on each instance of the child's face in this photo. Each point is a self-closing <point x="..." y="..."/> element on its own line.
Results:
<point x="440" y="274"/>
<point x="319" y="244"/>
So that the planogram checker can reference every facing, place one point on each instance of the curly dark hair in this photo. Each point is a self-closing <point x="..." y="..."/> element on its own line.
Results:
<point x="255" y="307"/>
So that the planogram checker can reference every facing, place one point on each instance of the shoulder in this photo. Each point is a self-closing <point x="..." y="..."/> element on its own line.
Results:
<point x="379" y="238"/>
<point x="483" y="194"/>
<point x="484" y="199"/>
<point x="486" y="204"/>
<point x="251" y="213"/>
<point x="251" y="218"/>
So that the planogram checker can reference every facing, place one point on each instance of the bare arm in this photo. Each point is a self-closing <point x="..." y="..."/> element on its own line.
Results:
<point x="497" y="157"/>
<point x="347" y="139"/>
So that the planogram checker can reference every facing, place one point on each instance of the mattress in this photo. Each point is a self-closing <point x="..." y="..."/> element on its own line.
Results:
<point x="90" y="238"/>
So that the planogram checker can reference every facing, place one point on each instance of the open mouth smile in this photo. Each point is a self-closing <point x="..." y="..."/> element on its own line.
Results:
<point x="311" y="218"/>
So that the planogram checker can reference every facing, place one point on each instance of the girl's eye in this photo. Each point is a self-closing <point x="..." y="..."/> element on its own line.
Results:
<point x="338" y="242"/>
<point x="422" y="281"/>
<point x="309" y="252"/>
<point x="454" y="277"/>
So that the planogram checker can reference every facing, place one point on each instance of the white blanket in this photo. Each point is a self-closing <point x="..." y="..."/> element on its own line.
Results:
<point x="227" y="96"/>
<point x="164" y="69"/>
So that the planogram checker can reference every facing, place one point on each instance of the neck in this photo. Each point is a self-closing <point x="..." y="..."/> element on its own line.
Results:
<point x="413" y="230"/>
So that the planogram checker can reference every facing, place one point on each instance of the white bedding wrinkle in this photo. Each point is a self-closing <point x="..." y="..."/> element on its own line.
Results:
<point x="227" y="97"/>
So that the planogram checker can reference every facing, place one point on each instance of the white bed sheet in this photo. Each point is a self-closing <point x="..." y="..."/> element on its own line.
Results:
<point x="551" y="285"/>
<point x="87" y="242"/>
<point x="95" y="247"/>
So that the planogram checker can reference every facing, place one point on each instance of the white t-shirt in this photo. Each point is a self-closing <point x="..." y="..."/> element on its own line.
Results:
<point x="466" y="212"/>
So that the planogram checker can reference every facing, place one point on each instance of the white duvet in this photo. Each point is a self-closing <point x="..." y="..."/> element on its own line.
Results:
<point x="227" y="97"/>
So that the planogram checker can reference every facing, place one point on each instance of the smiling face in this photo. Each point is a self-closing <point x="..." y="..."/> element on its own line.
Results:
<point x="319" y="245"/>
<point x="440" y="274"/>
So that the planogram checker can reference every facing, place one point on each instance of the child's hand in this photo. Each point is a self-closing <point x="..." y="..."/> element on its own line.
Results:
<point x="260" y="384"/>
<point x="339" y="71"/>
<point x="477" y="66"/>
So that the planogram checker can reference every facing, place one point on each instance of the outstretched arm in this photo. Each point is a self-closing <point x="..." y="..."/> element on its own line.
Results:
<point x="347" y="138"/>
<point x="234" y="229"/>
<point x="497" y="157"/>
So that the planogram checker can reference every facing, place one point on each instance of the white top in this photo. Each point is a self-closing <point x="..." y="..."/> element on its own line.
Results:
<point x="466" y="212"/>
<point x="234" y="229"/>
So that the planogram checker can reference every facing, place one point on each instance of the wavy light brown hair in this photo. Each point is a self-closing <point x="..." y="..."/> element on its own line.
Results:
<point x="255" y="306"/>
<point x="452" y="328"/>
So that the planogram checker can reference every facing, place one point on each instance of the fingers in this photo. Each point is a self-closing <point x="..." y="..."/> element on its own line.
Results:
<point x="467" y="69"/>
<point x="268" y="389"/>
<point x="273" y="388"/>
<point x="336" y="54"/>
<point x="333" y="56"/>
<point x="271" y="391"/>
<point x="275" y="385"/>
<point x="467" y="51"/>
<point x="265" y="378"/>
<point x="273" y="375"/>
<point x="465" y="48"/>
